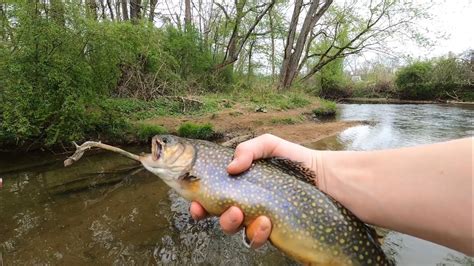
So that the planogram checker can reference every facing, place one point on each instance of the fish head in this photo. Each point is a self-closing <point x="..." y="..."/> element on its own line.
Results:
<point x="171" y="159"/>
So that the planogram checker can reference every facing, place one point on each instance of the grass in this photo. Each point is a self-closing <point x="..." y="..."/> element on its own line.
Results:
<point x="134" y="110"/>
<point x="145" y="131"/>
<point x="260" y="96"/>
<point x="287" y="120"/>
<point x="326" y="110"/>
<point x="196" y="131"/>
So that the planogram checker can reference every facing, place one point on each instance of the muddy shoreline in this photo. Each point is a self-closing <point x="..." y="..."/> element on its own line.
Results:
<point x="296" y="125"/>
<point x="229" y="124"/>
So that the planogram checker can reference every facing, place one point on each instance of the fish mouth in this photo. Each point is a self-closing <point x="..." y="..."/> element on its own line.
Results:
<point x="156" y="149"/>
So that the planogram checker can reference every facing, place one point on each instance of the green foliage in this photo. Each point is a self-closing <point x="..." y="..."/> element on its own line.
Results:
<point x="196" y="131"/>
<point x="54" y="79"/>
<point x="287" y="120"/>
<point x="440" y="78"/>
<point x="58" y="72"/>
<point x="146" y="131"/>
<point x="326" y="109"/>
<point x="333" y="82"/>
<point x="265" y="95"/>
<point x="413" y="81"/>
<point x="187" y="49"/>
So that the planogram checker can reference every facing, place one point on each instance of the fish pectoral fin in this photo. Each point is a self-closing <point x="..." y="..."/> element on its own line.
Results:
<point x="296" y="169"/>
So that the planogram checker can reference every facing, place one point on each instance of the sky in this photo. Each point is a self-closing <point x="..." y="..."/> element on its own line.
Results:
<point x="450" y="29"/>
<point x="454" y="18"/>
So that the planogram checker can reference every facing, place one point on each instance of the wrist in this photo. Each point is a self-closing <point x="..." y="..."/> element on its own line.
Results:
<point x="343" y="176"/>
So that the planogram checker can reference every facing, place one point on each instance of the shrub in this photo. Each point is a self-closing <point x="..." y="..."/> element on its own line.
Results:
<point x="286" y="120"/>
<point x="326" y="110"/>
<point x="333" y="82"/>
<point x="146" y="131"/>
<point x="195" y="131"/>
<point x="413" y="81"/>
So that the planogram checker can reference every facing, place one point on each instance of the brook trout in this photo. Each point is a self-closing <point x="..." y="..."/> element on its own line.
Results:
<point x="308" y="225"/>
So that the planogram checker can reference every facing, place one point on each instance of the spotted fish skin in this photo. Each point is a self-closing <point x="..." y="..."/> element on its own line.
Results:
<point x="307" y="224"/>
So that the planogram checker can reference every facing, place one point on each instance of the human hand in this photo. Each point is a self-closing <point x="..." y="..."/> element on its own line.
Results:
<point x="264" y="146"/>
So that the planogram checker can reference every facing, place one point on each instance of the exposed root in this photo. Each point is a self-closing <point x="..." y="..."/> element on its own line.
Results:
<point x="93" y="144"/>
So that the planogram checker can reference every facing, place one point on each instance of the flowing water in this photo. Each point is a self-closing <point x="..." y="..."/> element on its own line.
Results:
<point x="393" y="126"/>
<point x="104" y="210"/>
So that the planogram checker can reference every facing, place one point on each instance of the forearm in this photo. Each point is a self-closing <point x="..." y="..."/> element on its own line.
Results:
<point x="425" y="191"/>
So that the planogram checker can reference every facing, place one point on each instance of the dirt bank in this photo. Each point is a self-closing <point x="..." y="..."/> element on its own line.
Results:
<point x="296" y="125"/>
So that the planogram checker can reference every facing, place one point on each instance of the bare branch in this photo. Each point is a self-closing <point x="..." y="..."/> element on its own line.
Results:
<point x="92" y="144"/>
<point x="223" y="10"/>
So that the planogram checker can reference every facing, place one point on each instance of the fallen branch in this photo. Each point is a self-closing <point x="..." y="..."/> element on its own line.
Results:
<point x="93" y="144"/>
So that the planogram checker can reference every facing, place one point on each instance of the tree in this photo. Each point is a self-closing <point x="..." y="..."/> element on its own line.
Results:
<point x="367" y="27"/>
<point x="187" y="13"/>
<point x="135" y="10"/>
<point x="237" y="40"/>
<point x="293" y="51"/>
<point x="124" y="9"/>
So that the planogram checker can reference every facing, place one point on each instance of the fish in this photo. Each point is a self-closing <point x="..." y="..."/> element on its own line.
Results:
<point x="307" y="224"/>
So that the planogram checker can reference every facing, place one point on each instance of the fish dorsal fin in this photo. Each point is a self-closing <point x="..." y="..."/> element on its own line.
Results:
<point x="296" y="169"/>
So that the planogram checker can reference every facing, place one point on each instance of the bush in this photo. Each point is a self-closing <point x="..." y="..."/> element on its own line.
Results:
<point x="55" y="76"/>
<point x="413" y="82"/>
<point x="326" y="110"/>
<point x="146" y="131"/>
<point x="195" y="131"/>
<point x="333" y="83"/>
<point x="287" y="120"/>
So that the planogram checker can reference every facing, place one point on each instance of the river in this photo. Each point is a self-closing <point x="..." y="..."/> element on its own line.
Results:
<point x="108" y="213"/>
<point x="393" y="126"/>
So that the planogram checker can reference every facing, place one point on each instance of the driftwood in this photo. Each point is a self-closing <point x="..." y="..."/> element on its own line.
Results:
<point x="93" y="144"/>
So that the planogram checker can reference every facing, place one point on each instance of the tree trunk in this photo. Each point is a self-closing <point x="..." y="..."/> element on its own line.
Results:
<point x="272" y="34"/>
<point x="117" y="10"/>
<point x="236" y="43"/>
<point x="102" y="7"/>
<point x="111" y="10"/>
<point x="290" y="42"/>
<point x="151" y="16"/>
<point x="125" y="10"/>
<point x="135" y="10"/>
<point x="293" y="51"/>
<point x="187" y="14"/>
<point x="249" y="67"/>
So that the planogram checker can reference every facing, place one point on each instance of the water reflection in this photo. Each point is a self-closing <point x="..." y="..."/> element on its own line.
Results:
<point x="404" y="125"/>
<point x="401" y="126"/>
<point x="95" y="213"/>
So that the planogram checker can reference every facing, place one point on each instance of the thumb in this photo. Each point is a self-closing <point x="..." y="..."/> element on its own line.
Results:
<point x="240" y="163"/>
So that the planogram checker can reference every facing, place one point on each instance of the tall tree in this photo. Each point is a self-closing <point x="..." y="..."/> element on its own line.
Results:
<point x="293" y="51"/>
<point x="187" y="14"/>
<point x="349" y="33"/>
<point x="272" y="35"/>
<point x="237" y="41"/>
<point x="125" y="9"/>
<point x="135" y="10"/>
<point x="151" y="16"/>
<point x="111" y="10"/>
